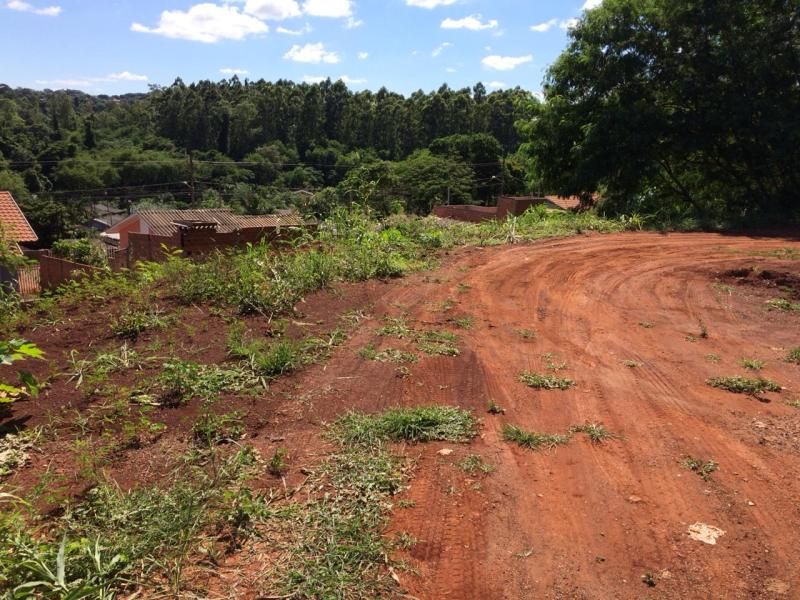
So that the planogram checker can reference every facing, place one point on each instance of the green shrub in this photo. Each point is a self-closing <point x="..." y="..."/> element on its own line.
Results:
<point x="80" y="251"/>
<point x="134" y="321"/>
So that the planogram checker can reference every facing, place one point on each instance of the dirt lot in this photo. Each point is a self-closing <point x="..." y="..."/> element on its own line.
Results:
<point x="640" y="322"/>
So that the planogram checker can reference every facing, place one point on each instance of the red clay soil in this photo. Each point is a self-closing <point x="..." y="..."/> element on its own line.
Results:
<point x="584" y="520"/>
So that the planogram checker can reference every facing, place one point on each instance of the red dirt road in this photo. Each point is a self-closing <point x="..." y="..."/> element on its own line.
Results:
<point x="584" y="520"/>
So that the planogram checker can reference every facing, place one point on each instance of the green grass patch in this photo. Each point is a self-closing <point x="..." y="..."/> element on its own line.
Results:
<point x="474" y="464"/>
<point x="115" y="539"/>
<point x="596" y="433"/>
<point x="533" y="439"/>
<point x="704" y="468"/>
<point x="744" y="385"/>
<point x="134" y="322"/>
<point x="794" y="356"/>
<point x="545" y="382"/>
<point x="422" y="424"/>
<point x="782" y="304"/>
<point x="752" y="364"/>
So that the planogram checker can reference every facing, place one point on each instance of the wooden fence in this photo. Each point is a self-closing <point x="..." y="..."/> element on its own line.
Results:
<point x="29" y="282"/>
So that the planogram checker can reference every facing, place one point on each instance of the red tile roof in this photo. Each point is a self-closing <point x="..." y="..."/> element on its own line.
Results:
<point x="570" y="202"/>
<point x="13" y="221"/>
<point x="163" y="222"/>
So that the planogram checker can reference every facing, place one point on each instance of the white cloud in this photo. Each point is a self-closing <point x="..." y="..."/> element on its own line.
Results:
<point x="232" y="71"/>
<point x="353" y="23"/>
<point x="546" y="26"/>
<point x="208" y="23"/>
<point x="337" y="9"/>
<point x="63" y="83"/>
<point x="311" y="53"/>
<point x="591" y="4"/>
<point x="568" y="24"/>
<point x="450" y="70"/>
<point x="48" y="11"/>
<point x="472" y="22"/>
<point x="439" y="49"/>
<point x="90" y="81"/>
<point x="496" y="85"/>
<point x="313" y="78"/>
<point x="430" y="3"/>
<point x="124" y="76"/>
<point x="272" y="9"/>
<point x="505" y="63"/>
<point x="352" y="81"/>
<point x="363" y="55"/>
<point x="301" y="31"/>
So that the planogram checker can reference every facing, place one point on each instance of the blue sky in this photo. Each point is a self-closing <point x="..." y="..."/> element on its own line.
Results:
<point x="119" y="46"/>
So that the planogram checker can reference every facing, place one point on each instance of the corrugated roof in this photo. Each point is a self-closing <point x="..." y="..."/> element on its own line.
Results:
<point x="13" y="220"/>
<point x="162" y="222"/>
<point x="570" y="202"/>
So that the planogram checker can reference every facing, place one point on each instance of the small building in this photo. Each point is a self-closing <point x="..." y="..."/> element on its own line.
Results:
<point x="168" y="223"/>
<point x="17" y="231"/>
<point x="14" y="223"/>
<point x="507" y="206"/>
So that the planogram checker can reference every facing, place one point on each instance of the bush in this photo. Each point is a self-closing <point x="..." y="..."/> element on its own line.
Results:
<point x="80" y="251"/>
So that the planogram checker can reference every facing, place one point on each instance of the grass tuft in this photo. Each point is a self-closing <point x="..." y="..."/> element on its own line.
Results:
<point x="474" y="464"/>
<point x="704" y="468"/>
<point x="422" y="424"/>
<point x="743" y="385"/>
<point x="596" y="433"/>
<point x="752" y="364"/>
<point x="533" y="439"/>
<point x="545" y="382"/>
<point x="794" y="356"/>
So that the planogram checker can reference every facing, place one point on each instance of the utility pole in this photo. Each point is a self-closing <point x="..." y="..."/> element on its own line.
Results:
<point x="503" y="177"/>
<point x="191" y="178"/>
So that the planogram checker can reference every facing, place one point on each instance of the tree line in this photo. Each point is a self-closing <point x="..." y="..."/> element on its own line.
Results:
<point x="250" y="144"/>
<point x="685" y="113"/>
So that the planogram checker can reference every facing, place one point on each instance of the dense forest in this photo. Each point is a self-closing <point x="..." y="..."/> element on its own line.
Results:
<point x="253" y="144"/>
<point x="687" y="114"/>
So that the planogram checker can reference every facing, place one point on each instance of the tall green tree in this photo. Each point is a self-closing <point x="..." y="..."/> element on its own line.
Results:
<point x="677" y="107"/>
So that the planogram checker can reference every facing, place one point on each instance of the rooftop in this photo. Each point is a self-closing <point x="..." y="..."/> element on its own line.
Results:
<point x="13" y="220"/>
<point x="164" y="222"/>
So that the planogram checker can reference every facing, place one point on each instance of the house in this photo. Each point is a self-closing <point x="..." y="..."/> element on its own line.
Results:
<point x="105" y="215"/>
<point x="16" y="231"/>
<point x="168" y="223"/>
<point x="15" y="226"/>
<point x="508" y="206"/>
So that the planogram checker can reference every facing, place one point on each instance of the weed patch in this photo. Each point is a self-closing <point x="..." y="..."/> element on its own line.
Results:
<point x="782" y="304"/>
<point x="794" y="356"/>
<point x="533" y="439"/>
<point x="752" y="364"/>
<point x="134" y="322"/>
<point x="743" y="385"/>
<point x="423" y="424"/>
<point x="545" y="382"/>
<point x="596" y="433"/>
<point x="211" y="429"/>
<point x="181" y="380"/>
<point x="474" y="464"/>
<point x="704" y="468"/>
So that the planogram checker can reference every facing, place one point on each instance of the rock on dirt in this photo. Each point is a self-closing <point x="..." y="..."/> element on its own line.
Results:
<point x="707" y="534"/>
